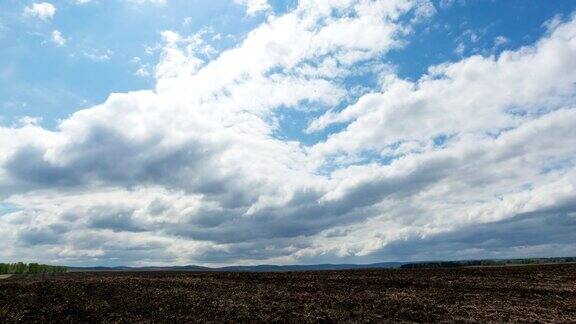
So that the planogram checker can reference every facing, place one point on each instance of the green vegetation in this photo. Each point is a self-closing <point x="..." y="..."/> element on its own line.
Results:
<point x="480" y="263"/>
<point x="29" y="268"/>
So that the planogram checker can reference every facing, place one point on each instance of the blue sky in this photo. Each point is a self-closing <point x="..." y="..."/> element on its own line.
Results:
<point x="254" y="131"/>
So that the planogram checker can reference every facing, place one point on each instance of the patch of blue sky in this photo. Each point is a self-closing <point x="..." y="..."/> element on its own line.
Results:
<point x="557" y="165"/>
<point x="6" y="208"/>
<point x="292" y="125"/>
<point x="294" y="122"/>
<point x="440" y="140"/>
<point x="384" y="157"/>
<point x="280" y="7"/>
<point x="497" y="132"/>
<point x="334" y="163"/>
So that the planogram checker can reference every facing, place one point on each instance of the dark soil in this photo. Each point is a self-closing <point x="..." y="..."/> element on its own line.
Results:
<point x="545" y="293"/>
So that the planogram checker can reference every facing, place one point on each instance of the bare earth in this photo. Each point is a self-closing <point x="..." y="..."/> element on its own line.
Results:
<point x="545" y="293"/>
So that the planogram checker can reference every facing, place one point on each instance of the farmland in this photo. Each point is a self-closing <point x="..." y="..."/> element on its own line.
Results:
<point x="544" y="293"/>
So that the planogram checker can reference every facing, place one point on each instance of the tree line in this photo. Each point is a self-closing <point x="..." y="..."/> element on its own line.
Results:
<point x="29" y="268"/>
<point x="479" y="263"/>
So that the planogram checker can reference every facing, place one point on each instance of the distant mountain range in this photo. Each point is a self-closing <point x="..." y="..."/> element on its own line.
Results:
<point x="319" y="267"/>
<point x="257" y="268"/>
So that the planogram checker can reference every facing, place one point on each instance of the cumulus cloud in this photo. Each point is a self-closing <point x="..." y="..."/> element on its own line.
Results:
<point x="195" y="170"/>
<point x="42" y="10"/>
<point x="57" y="38"/>
<point x="541" y="234"/>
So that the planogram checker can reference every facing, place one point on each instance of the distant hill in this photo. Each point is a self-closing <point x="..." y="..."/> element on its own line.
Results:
<point x="124" y="268"/>
<point x="314" y="267"/>
<point x="257" y="268"/>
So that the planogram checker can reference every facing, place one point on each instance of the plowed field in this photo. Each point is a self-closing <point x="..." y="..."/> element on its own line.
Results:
<point x="545" y="293"/>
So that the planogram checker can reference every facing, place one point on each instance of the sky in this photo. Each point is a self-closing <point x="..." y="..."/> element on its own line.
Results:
<point x="171" y="132"/>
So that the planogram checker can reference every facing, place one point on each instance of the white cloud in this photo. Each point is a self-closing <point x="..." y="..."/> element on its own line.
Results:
<point x="446" y="3"/>
<point x="207" y="139"/>
<point x="254" y="6"/>
<point x="57" y="38"/>
<point x="195" y="170"/>
<point x="28" y="120"/>
<point x="426" y="109"/>
<point x="43" y="10"/>
<point x="553" y="22"/>
<point x="499" y="132"/>
<point x="460" y="49"/>
<point x="143" y="71"/>
<point x="98" y="55"/>
<point x="500" y="40"/>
